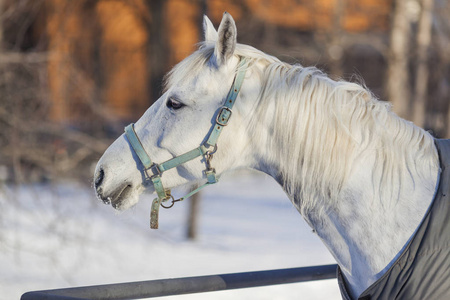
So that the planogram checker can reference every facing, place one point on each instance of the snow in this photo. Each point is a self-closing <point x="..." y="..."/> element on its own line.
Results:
<point x="57" y="236"/>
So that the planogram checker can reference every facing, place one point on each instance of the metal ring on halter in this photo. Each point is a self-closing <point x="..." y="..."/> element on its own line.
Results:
<point x="167" y="198"/>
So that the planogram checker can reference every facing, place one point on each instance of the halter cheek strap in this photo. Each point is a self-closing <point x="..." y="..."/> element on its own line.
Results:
<point x="153" y="171"/>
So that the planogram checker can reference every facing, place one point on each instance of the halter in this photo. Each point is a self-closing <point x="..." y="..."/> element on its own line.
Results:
<point x="154" y="171"/>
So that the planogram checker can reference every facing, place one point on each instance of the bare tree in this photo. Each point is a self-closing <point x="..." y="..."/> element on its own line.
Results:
<point x="336" y="47"/>
<point x="33" y="146"/>
<point x="440" y="45"/>
<point x="193" y="216"/>
<point x="423" y="41"/>
<point x="2" y="4"/>
<point x="448" y="122"/>
<point x="398" y="87"/>
<point x="155" y="22"/>
<point x="194" y="203"/>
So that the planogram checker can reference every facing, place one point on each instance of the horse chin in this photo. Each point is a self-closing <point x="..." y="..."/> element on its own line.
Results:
<point x="123" y="199"/>
<point x="123" y="204"/>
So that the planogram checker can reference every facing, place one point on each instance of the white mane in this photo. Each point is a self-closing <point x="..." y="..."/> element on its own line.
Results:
<point x="325" y="127"/>
<point x="321" y="128"/>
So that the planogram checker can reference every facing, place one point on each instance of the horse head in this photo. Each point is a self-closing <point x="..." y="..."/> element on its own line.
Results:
<point x="182" y="119"/>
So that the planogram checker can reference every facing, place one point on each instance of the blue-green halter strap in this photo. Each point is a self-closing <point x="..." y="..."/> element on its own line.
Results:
<point x="153" y="171"/>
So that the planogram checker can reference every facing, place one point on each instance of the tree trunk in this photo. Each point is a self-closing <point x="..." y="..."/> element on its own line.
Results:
<point x="194" y="202"/>
<point x="1" y="25"/>
<point x="448" y="123"/>
<point x="192" y="225"/>
<point x="158" y="54"/>
<point x="335" y="47"/>
<point x="398" y="88"/>
<point x="422" y="43"/>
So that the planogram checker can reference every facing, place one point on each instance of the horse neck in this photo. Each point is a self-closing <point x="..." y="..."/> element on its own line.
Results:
<point x="363" y="187"/>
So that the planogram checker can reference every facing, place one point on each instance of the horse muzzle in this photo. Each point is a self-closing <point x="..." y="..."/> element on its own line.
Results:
<point x="117" y="196"/>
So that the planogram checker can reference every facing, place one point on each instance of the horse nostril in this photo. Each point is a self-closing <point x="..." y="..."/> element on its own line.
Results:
<point x="99" y="178"/>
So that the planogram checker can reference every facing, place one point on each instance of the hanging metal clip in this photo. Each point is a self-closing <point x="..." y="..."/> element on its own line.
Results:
<point x="210" y="172"/>
<point x="208" y="157"/>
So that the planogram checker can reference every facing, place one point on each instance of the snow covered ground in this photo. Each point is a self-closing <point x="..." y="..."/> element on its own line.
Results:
<point x="61" y="236"/>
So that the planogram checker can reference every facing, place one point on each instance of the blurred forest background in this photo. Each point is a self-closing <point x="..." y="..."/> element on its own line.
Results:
<point x="73" y="73"/>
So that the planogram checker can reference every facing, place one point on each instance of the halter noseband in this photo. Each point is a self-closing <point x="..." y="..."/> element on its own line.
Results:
<point x="153" y="171"/>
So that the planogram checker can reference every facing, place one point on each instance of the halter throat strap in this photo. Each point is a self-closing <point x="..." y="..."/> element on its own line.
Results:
<point x="154" y="171"/>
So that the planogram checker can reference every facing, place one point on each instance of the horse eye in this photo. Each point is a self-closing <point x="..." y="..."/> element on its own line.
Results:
<point x="174" y="104"/>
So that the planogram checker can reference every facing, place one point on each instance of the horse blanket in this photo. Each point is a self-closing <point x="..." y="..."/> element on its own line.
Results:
<point x="422" y="271"/>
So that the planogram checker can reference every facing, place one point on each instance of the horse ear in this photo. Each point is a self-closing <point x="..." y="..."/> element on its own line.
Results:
<point x="209" y="30"/>
<point x="226" y="42"/>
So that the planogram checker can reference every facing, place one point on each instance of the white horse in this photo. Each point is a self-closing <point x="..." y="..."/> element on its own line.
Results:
<point x="360" y="176"/>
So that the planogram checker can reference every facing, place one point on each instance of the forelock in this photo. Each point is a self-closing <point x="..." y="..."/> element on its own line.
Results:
<point x="190" y="66"/>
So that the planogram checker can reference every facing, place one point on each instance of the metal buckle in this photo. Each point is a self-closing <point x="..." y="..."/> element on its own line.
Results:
<point x="224" y="122"/>
<point x="155" y="171"/>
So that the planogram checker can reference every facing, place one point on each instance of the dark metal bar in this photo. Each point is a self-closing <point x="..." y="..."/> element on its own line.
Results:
<point x="188" y="285"/>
